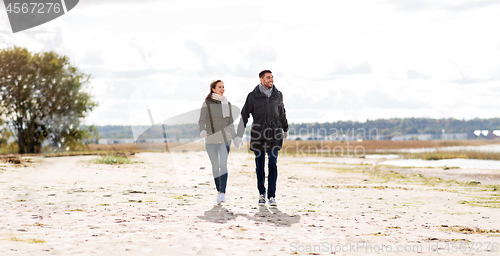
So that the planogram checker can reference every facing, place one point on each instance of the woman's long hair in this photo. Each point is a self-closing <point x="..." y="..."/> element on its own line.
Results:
<point x="212" y="86"/>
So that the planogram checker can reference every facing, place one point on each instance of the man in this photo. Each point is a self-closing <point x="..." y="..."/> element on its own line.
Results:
<point x="269" y="127"/>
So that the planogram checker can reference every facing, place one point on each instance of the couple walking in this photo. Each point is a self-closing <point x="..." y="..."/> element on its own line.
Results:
<point x="269" y="128"/>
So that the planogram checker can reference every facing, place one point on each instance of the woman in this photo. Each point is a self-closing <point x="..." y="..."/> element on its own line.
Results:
<point x="216" y="126"/>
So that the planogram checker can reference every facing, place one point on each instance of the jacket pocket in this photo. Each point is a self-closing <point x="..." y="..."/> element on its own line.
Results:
<point x="259" y="108"/>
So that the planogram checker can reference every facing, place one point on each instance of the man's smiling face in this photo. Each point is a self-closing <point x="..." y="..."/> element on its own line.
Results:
<point x="268" y="80"/>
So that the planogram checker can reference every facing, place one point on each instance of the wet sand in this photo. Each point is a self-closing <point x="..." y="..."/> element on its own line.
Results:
<point x="164" y="204"/>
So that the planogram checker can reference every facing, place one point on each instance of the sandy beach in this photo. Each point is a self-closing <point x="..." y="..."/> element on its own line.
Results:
<point x="164" y="204"/>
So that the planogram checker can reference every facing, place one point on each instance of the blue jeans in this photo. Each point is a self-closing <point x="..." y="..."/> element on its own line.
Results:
<point x="260" y="159"/>
<point x="218" y="154"/>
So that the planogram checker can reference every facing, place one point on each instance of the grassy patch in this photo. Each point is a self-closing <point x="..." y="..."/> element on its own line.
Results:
<point x="492" y="187"/>
<point x="33" y="241"/>
<point x="447" y="240"/>
<point x="490" y="202"/>
<point x="76" y="210"/>
<point x="379" y="144"/>
<point x="482" y="196"/>
<point x="133" y="192"/>
<point x="467" y="230"/>
<point x="112" y="159"/>
<point x="386" y="174"/>
<point x="241" y="229"/>
<point x="182" y="197"/>
<point x="393" y="227"/>
<point x="464" y="154"/>
<point x="82" y="153"/>
<point x="378" y="234"/>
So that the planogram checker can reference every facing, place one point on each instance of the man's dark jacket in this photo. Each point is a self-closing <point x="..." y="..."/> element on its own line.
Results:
<point x="269" y="120"/>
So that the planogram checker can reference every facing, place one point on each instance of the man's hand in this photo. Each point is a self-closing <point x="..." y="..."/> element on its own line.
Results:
<point x="203" y="134"/>
<point x="238" y="143"/>
<point x="285" y="134"/>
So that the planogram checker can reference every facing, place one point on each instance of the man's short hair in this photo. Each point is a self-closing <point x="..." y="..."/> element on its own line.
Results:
<point x="263" y="73"/>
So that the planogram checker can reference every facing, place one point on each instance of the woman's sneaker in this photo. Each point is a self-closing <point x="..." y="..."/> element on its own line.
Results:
<point x="222" y="197"/>
<point x="272" y="201"/>
<point x="218" y="198"/>
<point x="262" y="200"/>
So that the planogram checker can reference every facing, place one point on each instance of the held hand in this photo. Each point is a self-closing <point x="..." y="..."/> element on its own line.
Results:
<point x="203" y="134"/>
<point x="238" y="143"/>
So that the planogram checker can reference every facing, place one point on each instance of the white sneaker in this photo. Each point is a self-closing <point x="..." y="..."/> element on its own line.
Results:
<point x="222" y="197"/>
<point x="272" y="201"/>
<point x="218" y="198"/>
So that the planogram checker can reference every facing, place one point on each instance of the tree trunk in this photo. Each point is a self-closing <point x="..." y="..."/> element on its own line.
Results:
<point x="26" y="142"/>
<point x="21" y="141"/>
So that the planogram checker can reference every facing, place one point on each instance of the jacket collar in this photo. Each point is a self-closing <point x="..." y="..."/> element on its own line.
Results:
<point x="260" y="94"/>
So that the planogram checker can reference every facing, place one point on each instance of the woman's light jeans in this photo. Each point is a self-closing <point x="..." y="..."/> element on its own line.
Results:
<point x="218" y="154"/>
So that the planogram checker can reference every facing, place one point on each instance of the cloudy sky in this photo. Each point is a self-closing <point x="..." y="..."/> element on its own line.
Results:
<point x="333" y="60"/>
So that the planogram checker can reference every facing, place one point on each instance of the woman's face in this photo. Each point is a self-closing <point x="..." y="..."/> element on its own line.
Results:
<point x="219" y="88"/>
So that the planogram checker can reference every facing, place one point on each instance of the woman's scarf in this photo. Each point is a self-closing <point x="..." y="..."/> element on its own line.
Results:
<point x="225" y="103"/>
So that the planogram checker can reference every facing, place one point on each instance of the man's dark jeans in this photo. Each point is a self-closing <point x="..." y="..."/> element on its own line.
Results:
<point x="260" y="159"/>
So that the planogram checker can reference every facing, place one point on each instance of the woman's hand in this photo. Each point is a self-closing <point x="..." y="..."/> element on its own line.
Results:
<point x="238" y="143"/>
<point x="203" y="134"/>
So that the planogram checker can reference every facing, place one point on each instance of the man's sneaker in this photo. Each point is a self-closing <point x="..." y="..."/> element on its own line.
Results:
<point x="218" y="198"/>
<point x="272" y="201"/>
<point x="262" y="200"/>
<point x="222" y="197"/>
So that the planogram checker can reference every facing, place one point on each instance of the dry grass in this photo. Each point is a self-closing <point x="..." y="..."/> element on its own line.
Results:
<point x="295" y="145"/>
<point x="439" y="155"/>
<point x="171" y="146"/>
<point x="372" y="145"/>
<point x="130" y="149"/>
<point x="292" y="147"/>
<point x="110" y="147"/>
<point x="468" y="230"/>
